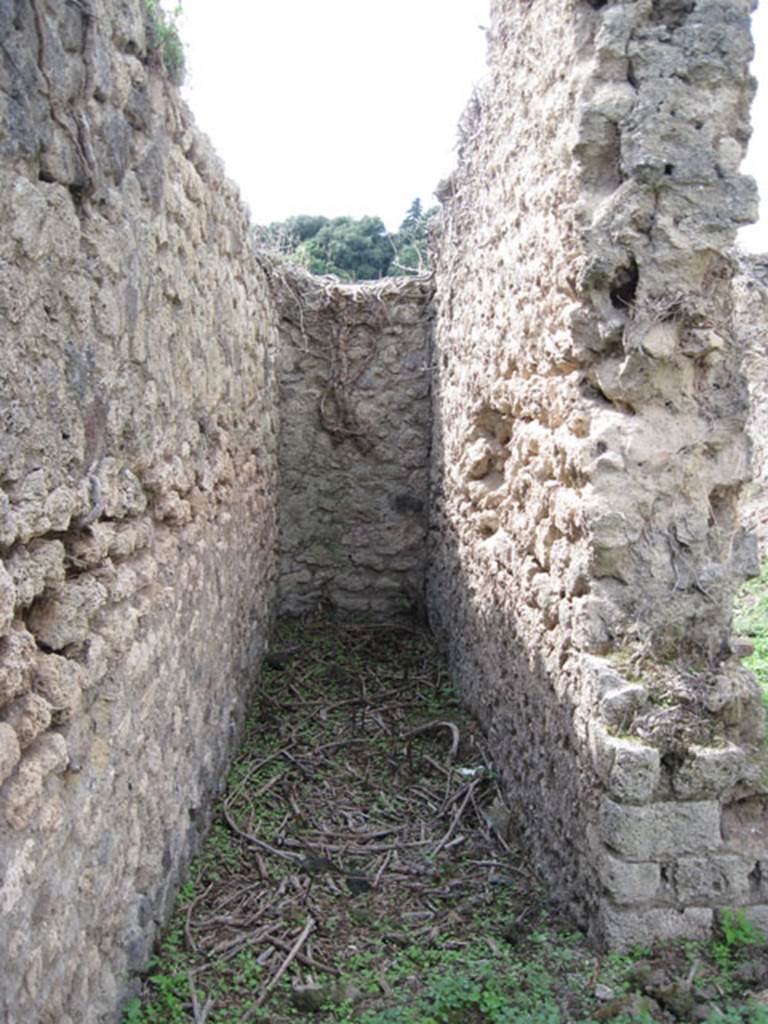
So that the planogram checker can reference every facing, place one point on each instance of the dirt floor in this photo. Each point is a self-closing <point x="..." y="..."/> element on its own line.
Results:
<point x="358" y="870"/>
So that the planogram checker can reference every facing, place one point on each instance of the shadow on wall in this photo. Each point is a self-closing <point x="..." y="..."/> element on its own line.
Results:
<point x="528" y="711"/>
<point x="354" y="443"/>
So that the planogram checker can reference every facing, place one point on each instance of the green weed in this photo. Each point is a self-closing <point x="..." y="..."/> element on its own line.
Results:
<point x="738" y="930"/>
<point x="164" y="39"/>
<point x="751" y="622"/>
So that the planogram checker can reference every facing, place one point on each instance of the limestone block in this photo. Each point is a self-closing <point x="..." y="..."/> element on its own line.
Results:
<point x="661" y="340"/>
<point x="59" y="508"/>
<point x="45" y="223"/>
<point x="173" y="509"/>
<point x="624" y="928"/>
<point x="8" y="521"/>
<point x="745" y="827"/>
<point x="7" y="599"/>
<point x="635" y="771"/>
<point x="30" y="716"/>
<point x="708" y="772"/>
<point x="22" y="795"/>
<point x="17" y="654"/>
<point x="10" y="751"/>
<point x="124" y="584"/>
<point x="129" y="537"/>
<point x="629" y="767"/>
<point x="63" y="615"/>
<point x="121" y="492"/>
<point x="619" y="707"/>
<point x="629" y="882"/>
<point x="736" y="699"/>
<point x="95" y="657"/>
<point x="28" y="496"/>
<point x="118" y="626"/>
<point x="59" y="682"/>
<point x="17" y="293"/>
<point x="35" y="567"/>
<point x="719" y="879"/>
<point x="758" y="916"/>
<point x="661" y="830"/>
<point x="92" y="545"/>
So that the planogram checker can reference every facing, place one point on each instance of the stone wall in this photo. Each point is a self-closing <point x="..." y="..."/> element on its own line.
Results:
<point x="137" y="498"/>
<point x="354" y="444"/>
<point x="751" y="291"/>
<point x="588" y="455"/>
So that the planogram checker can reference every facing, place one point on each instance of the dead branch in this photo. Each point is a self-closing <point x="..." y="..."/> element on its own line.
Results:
<point x="430" y="727"/>
<point x="250" y="838"/>
<point x="249" y="1014"/>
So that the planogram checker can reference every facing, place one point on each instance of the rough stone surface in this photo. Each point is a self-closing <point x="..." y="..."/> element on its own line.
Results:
<point x="587" y="456"/>
<point x="661" y="830"/>
<point x="589" y="449"/>
<point x="628" y="928"/>
<point x="138" y="435"/>
<point x="354" y="444"/>
<point x="751" y="295"/>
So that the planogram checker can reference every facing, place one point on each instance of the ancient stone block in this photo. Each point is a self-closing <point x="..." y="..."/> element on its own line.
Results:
<point x="17" y="653"/>
<point x="10" y="750"/>
<point x="711" y="880"/>
<point x="7" y="599"/>
<point x="35" y="567"/>
<point x="29" y="716"/>
<point x="708" y="772"/>
<point x="22" y="795"/>
<point x="63" y="615"/>
<point x="59" y="682"/>
<point x="660" y="831"/>
<point x="629" y="883"/>
<point x="745" y="826"/>
<point x="757" y="916"/>
<point x="624" y="928"/>
<point x="629" y="768"/>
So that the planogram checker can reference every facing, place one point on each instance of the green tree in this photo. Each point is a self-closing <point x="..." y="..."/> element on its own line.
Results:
<point x="410" y="243"/>
<point x="413" y="221"/>
<point x="352" y="249"/>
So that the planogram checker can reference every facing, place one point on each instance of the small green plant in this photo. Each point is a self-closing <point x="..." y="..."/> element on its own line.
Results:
<point x="164" y="39"/>
<point x="738" y="930"/>
<point x="471" y="942"/>
<point x="751" y="621"/>
<point x="133" y="1013"/>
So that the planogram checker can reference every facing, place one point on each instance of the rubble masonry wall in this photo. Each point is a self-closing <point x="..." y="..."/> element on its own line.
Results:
<point x="354" y="444"/>
<point x="137" y="499"/>
<point x="751" y="294"/>
<point x="166" y="399"/>
<point x="589" y="451"/>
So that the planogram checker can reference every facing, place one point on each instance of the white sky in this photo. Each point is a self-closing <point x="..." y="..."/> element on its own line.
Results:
<point x="755" y="238"/>
<point x="350" y="106"/>
<point x="333" y="106"/>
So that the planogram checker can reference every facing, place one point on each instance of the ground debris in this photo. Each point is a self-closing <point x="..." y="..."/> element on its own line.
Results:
<point x="362" y="865"/>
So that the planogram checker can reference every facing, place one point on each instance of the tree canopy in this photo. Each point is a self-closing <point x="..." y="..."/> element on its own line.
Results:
<point x="354" y="250"/>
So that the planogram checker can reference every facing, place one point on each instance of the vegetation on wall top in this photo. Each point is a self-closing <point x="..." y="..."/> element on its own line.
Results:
<point x="353" y="250"/>
<point x="163" y="39"/>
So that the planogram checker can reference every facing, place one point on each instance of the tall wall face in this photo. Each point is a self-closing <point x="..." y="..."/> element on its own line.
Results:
<point x="751" y="292"/>
<point x="137" y="494"/>
<point x="588" y="454"/>
<point x="354" y="444"/>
